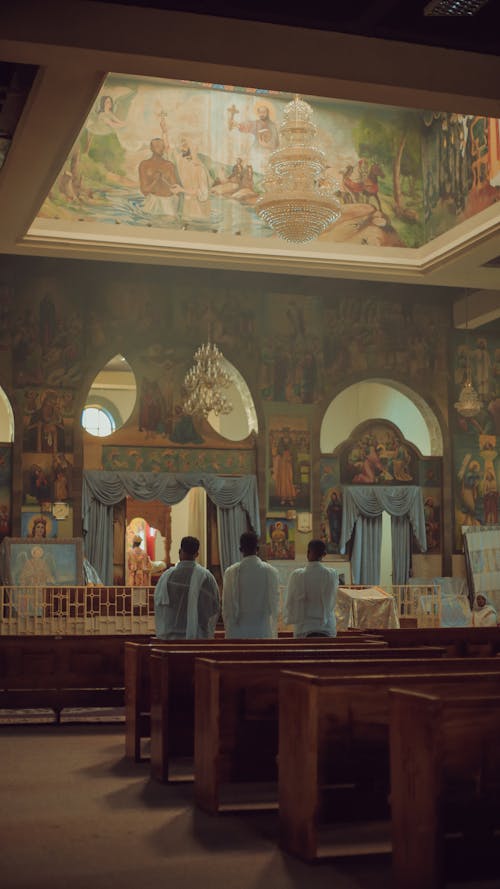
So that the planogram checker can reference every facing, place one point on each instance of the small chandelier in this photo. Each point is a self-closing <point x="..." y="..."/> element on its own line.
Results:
<point x="298" y="203"/>
<point x="205" y="381"/>
<point x="469" y="403"/>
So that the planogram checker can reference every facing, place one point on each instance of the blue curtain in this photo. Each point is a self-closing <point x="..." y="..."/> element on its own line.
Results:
<point x="236" y="499"/>
<point x="363" y="506"/>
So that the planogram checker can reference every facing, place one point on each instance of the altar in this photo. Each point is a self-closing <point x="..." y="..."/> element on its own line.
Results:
<point x="365" y="608"/>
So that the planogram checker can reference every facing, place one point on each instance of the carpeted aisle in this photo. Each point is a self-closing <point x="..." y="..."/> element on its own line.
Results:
<point x="74" y="813"/>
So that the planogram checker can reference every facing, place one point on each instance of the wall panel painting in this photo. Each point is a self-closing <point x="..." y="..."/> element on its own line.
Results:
<point x="331" y="503"/>
<point x="280" y="537"/>
<point x="289" y="463"/>
<point x="377" y="454"/>
<point x="477" y="482"/>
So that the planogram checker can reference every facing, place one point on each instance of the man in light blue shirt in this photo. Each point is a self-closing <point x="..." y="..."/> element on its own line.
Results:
<point x="311" y="596"/>
<point x="186" y="598"/>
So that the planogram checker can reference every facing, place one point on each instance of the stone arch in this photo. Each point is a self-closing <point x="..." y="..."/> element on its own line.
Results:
<point x="386" y="400"/>
<point x="242" y="420"/>
<point x="6" y="418"/>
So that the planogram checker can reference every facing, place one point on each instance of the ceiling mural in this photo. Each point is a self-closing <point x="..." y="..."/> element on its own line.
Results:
<point x="159" y="157"/>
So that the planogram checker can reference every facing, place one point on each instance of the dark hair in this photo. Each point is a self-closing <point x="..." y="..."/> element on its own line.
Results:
<point x="317" y="547"/>
<point x="190" y="546"/>
<point x="249" y="543"/>
<point x="102" y="103"/>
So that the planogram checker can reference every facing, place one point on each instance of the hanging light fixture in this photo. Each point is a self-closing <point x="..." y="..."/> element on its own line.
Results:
<point x="469" y="403"/>
<point x="298" y="202"/>
<point x="205" y="381"/>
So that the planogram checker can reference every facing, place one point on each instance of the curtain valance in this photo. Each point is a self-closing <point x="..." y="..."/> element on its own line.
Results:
<point x="371" y="501"/>
<point x="235" y="498"/>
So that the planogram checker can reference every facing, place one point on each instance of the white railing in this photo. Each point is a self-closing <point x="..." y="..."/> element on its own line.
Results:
<point x="72" y="610"/>
<point x="421" y="602"/>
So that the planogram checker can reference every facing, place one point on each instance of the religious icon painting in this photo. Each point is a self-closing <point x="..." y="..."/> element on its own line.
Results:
<point x="37" y="525"/>
<point x="289" y="463"/>
<point x="280" y="537"/>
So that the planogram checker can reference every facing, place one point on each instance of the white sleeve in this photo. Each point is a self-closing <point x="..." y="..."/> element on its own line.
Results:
<point x="274" y="593"/>
<point x="290" y="604"/>
<point x="228" y="587"/>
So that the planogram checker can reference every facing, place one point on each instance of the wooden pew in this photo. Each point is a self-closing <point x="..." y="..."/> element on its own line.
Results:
<point x="172" y="676"/>
<point x="236" y="712"/>
<point x="445" y="776"/>
<point x="334" y="731"/>
<point x="458" y="641"/>
<point x="137" y="674"/>
<point x="62" y="671"/>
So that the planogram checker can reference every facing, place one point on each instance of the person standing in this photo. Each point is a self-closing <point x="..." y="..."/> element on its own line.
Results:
<point x="250" y="600"/>
<point x="311" y="596"/>
<point x="186" y="597"/>
<point x="138" y="564"/>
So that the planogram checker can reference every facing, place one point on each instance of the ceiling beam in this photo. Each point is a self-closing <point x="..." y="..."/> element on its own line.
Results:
<point x="162" y="43"/>
<point x="476" y="308"/>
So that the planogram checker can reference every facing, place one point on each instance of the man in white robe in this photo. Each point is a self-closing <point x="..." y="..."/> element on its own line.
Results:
<point x="250" y="599"/>
<point x="186" y="598"/>
<point x="311" y="596"/>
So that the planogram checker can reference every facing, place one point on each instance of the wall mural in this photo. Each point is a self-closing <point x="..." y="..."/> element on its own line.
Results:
<point x="145" y="459"/>
<point x="289" y="463"/>
<point x="476" y="439"/>
<point x="48" y="420"/>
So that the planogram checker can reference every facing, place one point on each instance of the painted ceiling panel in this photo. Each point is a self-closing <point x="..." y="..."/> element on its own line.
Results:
<point x="176" y="161"/>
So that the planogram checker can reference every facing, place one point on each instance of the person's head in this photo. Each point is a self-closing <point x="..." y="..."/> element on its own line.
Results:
<point x="316" y="550"/>
<point x="136" y="540"/>
<point x="480" y="601"/>
<point x="39" y="528"/>
<point x="106" y="103"/>
<point x="249" y="543"/>
<point x="157" y="146"/>
<point x="263" y="112"/>
<point x="37" y="552"/>
<point x="190" y="547"/>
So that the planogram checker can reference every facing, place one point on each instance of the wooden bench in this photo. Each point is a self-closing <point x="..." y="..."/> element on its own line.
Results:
<point x="62" y="671"/>
<point x="172" y="676"/>
<point x="137" y="674"/>
<point x="458" y="641"/>
<point x="236" y="714"/>
<point x="334" y="734"/>
<point x="445" y="778"/>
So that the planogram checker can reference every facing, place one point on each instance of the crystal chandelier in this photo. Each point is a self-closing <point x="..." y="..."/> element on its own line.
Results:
<point x="298" y="202"/>
<point x="205" y="381"/>
<point x="469" y="403"/>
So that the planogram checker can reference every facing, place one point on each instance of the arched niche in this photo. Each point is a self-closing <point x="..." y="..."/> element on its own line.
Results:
<point x="243" y="418"/>
<point x="386" y="400"/>
<point x="6" y="419"/>
<point x="111" y="398"/>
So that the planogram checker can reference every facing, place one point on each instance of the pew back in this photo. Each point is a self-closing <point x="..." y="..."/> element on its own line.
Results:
<point x="454" y="778"/>
<point x="343" y="738"/>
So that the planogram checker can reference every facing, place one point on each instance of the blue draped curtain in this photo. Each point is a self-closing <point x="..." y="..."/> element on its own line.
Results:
<point x="236" y="500"/>
<point x="363" y="506"/>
